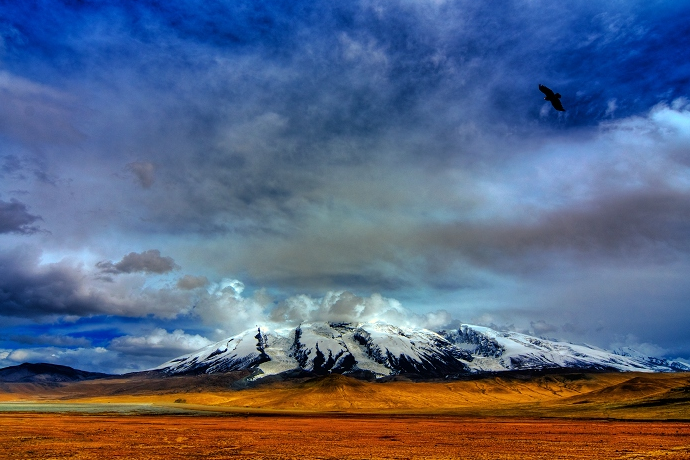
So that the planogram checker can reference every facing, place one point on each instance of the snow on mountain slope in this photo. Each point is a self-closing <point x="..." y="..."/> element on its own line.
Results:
<point x="383" y="349"/>
<point x="497" y="351"/>
<point x="242" y="351"/>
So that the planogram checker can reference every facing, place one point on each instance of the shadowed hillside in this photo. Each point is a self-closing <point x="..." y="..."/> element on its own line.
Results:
<point x="45" y="373"/>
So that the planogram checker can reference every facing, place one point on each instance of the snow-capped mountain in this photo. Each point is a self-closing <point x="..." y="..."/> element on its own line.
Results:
<point x="381" y="349"/>
<point x="497" y="351"/>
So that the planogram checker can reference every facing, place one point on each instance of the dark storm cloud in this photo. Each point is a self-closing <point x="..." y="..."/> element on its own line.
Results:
<point x="31" y="289"/>
<point x="28" y="290"/>
<point x="608" y="303"/>
<point x="360" y="68"/>
<point x="263" y="102"/>
<point x="283" y="112"/>
<point x="15" y="218"/>
<point x="149" y="261"/>
<point x="406" y="84"/>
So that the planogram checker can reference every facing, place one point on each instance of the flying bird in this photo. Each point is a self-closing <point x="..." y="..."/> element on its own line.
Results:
<point x="553" y="98"/>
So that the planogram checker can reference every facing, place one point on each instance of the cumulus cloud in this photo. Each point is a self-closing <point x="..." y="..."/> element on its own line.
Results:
<point x="347" y="307"/>
<point x="224" y="307"/>
<point x="15" y="218"/>
<point x="149" y="261"/>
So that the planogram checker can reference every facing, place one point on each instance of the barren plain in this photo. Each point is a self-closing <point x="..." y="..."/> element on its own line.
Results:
<point x="616" y="415"/>
<point x="328" y="437"/>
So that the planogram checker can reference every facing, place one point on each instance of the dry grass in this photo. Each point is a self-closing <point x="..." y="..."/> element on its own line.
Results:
<point x="544" y="417"/>
<point x="615" y="395"/>
<point x="335" y="437"/>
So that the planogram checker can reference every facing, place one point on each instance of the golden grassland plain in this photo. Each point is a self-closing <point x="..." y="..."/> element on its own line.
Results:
<point x="41" y="436"/>
<point x="607" y="415"/>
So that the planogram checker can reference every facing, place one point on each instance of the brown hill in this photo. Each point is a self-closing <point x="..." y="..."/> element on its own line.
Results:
<point x="606" y="395"/>
<point x="45" y="373"/>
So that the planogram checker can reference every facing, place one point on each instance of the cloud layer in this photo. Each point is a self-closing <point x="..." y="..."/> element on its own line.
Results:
<point x="362" y="160"/>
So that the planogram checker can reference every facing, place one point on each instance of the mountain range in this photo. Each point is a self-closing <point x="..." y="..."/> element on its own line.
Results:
<point x="380" y="350"/>
<point x="45" y="373"/>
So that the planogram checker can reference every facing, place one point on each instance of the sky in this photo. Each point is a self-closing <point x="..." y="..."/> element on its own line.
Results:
<point x="173" y="173"/>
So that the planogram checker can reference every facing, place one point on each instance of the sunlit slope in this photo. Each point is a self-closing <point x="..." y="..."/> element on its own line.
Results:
<point x="573" y="393"/>
<point x="615" y="395"/>
<point x="343" y="393"/>
<point x="665" y="396"/>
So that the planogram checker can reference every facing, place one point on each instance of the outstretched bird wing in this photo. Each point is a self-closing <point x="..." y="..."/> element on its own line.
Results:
<point x="549" y="94"/>
<point x="551" y="97"/>
<point x="556" y="103"/>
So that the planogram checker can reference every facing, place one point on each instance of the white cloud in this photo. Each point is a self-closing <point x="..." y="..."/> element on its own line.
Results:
<point x="224" y="307"/>
<point x="96" y="359"/>
<point x="611" y="107"/>
<point x="347" y="307"/>
<point x="159" y="343"/>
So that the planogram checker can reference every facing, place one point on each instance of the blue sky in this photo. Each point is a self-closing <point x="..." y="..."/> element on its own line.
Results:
<point x="172" y="173"/>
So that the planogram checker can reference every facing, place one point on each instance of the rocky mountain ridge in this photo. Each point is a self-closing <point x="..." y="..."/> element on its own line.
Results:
<point x="381" y="350"/>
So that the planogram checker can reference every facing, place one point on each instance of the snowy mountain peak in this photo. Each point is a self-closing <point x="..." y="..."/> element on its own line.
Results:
<point x="382" y="349"/>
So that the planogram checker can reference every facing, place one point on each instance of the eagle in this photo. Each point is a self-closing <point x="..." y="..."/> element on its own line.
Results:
<point x="553" y="98"/>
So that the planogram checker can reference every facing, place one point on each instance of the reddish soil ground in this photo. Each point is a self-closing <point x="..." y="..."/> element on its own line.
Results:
<point x="43" y="436"/>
